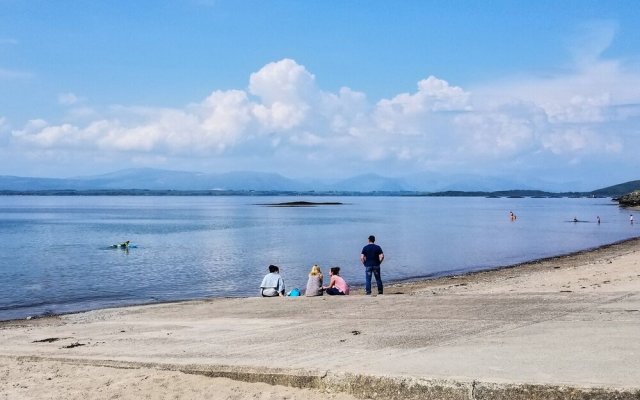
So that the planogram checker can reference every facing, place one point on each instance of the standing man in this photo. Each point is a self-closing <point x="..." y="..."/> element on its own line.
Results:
<point x="371" y="258"/>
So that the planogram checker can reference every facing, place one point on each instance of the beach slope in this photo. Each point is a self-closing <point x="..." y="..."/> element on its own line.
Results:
<point x="562" y="328"/>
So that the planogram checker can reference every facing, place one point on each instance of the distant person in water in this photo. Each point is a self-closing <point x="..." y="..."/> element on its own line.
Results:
<point x="315" y="281"/>
<point x="337" y="285"/>
<point x="598" y="219"/>
<point x="512" y="216"/>
<point x="272" y="284"/>
<point x="575" y="219"/>
<point x="371" y="257"/>
<point x="631" y="219"/>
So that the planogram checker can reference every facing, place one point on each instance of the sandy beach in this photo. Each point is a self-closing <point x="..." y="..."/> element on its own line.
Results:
<point x="565" y="327"/>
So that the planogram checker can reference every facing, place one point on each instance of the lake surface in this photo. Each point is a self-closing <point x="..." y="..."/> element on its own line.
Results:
<point x="55" y="256"/>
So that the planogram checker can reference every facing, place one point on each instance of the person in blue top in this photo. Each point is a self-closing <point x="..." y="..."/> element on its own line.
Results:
<point x="371" y="257"/>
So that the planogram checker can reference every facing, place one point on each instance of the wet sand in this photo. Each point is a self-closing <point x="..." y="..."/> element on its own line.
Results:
<point x="564" y="327"/>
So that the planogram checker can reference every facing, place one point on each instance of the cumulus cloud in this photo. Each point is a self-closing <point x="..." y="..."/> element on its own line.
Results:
<point x="409" y="113"/>
<point x="502" y="132"/>
<point x="284" y="81"/>
<point x="283" y="113"/>
<point x="286" y="91"/>
<point x="583" y="140"/>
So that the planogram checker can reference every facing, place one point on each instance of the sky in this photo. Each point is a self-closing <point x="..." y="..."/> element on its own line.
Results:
<point x="537" y="90"/>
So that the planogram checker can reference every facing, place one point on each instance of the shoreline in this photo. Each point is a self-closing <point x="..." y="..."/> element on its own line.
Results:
<point x="594" y="254"/>
<point x="564" y="327"/>
<point x="416" y="283"/>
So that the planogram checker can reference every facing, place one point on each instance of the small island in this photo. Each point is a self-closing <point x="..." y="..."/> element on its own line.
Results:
<point x="301" y="204"/>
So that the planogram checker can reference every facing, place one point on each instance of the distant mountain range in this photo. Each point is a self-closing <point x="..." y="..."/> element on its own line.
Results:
<point x="157" y="179"/>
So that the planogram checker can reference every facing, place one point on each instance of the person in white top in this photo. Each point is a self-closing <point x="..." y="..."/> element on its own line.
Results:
<point x="272" y="284"/>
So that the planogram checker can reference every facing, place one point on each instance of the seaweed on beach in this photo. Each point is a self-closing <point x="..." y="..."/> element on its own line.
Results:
<point x="47" y="340"/>
<point x="72" y="345"/>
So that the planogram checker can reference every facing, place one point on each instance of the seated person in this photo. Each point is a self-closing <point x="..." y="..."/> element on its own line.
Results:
<point x="337" y="285"/>
<point x="314" y="283"/>
<point x="272" y="284"/>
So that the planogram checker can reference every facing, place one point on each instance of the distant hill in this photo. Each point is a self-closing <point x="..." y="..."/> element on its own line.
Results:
<point x="18" y="183"/>
<point x="370" y="183"/>
<point x="463" y="182"/>
<point x="156" y="179"/>
<point x="618" y="190"/>
<point x="151" y="179"/>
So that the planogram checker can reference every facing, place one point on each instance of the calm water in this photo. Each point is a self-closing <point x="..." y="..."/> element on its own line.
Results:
<point x="55" y="256"/>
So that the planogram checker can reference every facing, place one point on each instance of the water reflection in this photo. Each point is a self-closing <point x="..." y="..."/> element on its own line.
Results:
<point x="55" y="257"/>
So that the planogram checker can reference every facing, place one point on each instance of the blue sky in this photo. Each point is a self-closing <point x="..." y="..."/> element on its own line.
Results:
<point x="544" y="90"/>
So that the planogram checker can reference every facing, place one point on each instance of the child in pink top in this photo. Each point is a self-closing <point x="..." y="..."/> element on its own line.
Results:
<point x="337" y="285"/>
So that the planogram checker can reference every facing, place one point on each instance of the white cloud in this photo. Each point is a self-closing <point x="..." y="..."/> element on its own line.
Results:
<point x="581" y="109"/>
<point x="284" y="81"/>
<point x="563" y="116"/>
<point x="32" y="127"/>
<point x="286" y="90"/>
<point x="591" y="39"/>
<point x="500" y="133"/>
<point x="280" y="116"/>
<point x="345" y="112"/>
<point x="581" y="140"/>
<point x="224" y="117"/>
<point x="67" y="99"/>
<point x="409" y="113"/>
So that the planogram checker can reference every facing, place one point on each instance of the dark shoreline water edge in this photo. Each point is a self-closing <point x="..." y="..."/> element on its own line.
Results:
<point x="515" y="193"/>
<point x="616" y="248"/>
<point x="579" y="257"/>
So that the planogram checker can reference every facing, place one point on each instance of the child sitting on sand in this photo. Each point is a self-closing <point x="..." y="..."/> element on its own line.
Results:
<point x="314" y="283"/>
<point x="272" y="284"/>
<point x="337" y="285"/>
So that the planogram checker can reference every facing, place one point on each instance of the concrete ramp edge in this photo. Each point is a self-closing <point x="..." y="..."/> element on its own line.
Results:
<point x="372" y="386"/>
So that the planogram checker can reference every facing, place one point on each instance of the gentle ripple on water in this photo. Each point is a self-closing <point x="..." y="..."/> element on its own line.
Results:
<point x="55" y="255"/>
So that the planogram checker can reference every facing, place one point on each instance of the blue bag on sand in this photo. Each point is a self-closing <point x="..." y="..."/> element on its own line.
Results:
<point x="295" y="292"/>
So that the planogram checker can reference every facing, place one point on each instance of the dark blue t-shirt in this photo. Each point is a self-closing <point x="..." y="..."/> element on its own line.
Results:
<point x="371" y="254"/>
